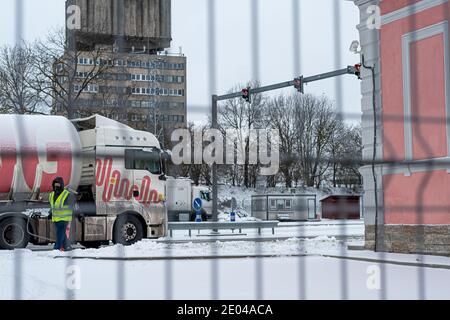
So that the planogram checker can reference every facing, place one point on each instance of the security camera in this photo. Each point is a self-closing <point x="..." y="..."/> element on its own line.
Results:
<point x="354" y="47"/>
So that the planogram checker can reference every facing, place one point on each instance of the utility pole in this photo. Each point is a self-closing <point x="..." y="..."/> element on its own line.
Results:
<point x="246" y="93"/>
<point x="214" y="166"/>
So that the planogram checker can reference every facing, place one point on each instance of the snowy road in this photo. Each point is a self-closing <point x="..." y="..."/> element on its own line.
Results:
<point x="312" y="277"/>
<point x="316" y="268"/>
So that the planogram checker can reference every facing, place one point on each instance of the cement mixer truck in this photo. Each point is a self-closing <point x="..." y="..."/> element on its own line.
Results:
<point x="116" y="173"/>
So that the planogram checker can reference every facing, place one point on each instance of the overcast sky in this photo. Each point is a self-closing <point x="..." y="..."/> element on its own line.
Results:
<point x="234" y="45"/>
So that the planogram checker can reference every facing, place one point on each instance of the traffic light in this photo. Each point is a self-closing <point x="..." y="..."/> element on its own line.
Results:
<point x="246" y="94"/>
<point x="299" y="84"/>
<point x="358" y="70"/>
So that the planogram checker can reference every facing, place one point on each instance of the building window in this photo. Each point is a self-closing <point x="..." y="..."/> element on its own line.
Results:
<point x="273" y="204"/>
<point x="417" y="94"/>
<point x="135" y="104"/>
<point x="280" y="204"/>
<point x="91" y="88"/>
<point x="288" y="204"/>
<point x="59" y="67"/>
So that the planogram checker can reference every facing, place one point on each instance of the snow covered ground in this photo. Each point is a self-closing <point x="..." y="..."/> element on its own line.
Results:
<point x="319" y="267"/>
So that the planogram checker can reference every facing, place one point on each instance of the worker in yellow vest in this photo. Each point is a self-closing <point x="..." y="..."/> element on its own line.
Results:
<point x="61" y="203"/>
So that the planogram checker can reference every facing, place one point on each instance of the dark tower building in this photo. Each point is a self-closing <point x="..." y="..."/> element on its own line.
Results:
<point x="142" y="85"/>
<point x="137" y="23"/>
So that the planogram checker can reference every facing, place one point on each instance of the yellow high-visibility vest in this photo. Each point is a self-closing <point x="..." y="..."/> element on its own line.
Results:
<point x="60" y="211"/>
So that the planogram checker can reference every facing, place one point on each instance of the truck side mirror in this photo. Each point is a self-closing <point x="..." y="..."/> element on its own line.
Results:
<point x="166" y="155"/>
<point x="162" y="177"/>
<point x="135" y="193"/>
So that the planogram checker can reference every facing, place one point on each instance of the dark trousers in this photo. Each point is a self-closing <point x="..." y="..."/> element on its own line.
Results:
<point x="62" y="243"/>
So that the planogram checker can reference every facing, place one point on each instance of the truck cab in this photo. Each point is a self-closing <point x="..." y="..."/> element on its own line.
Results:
<point x="128" y="181"/>
<point x="180" y="195"/>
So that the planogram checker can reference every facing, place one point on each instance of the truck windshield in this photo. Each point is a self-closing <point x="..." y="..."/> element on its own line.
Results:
<point x="143" y="160"/>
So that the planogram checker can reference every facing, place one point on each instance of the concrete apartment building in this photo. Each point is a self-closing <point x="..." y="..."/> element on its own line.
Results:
<point x="140" y="83"/>
<point x="142" y="90"/>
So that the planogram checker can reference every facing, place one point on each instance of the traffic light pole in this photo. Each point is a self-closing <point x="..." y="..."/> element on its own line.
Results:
<point x="215" y="216"/>
<point x="215" y="99"/>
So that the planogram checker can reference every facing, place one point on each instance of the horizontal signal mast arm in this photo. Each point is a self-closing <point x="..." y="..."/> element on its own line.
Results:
<point x="281" y="85"/>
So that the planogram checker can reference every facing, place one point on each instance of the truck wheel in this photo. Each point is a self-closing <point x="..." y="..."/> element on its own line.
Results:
<point x="128" y="230"/>
<point x="13" y="234"/>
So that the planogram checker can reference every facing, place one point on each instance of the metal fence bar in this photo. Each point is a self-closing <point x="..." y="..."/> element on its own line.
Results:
<point x="120" y="43"/>
<point x="339" y="105"/>
<point x="425" y="180"/>
<point x="212" y="74"/>
<point x="18" y="260"/>
<point x="297" y="59"/>
<point x="296" y="37"/>
<point x="256" y="76"/>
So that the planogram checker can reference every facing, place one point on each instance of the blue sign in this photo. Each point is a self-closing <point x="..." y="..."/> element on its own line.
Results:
<point x="197" y="204"/>
<point x="232" y="216"/>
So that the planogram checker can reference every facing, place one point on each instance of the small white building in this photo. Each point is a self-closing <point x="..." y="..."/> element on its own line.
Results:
<point x="284" y="206"/>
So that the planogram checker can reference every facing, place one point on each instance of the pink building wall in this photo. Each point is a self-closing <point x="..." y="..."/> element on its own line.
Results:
<point x="387" y="6"/>
<point x="414" y="85"/>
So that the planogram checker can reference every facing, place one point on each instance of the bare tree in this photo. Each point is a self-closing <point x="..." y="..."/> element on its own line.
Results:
<point x="199" y="173"/>
<point x="57" y="62"/>
<point x="316" y="146"/>
<point x="346" y="156"/>
<point x="109" y="100"/>
<point x="337" y="151"/>
<point x="280" y="111"/>
<point x="241" y="116"/>
<point x="17" y="74"/>
<point x="316" y="122"/>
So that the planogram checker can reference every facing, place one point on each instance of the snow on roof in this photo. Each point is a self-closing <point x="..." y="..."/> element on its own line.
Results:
<point x="97" y="121"/>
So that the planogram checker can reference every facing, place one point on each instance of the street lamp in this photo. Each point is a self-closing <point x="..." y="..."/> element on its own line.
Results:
<point x="354" y="47"/>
